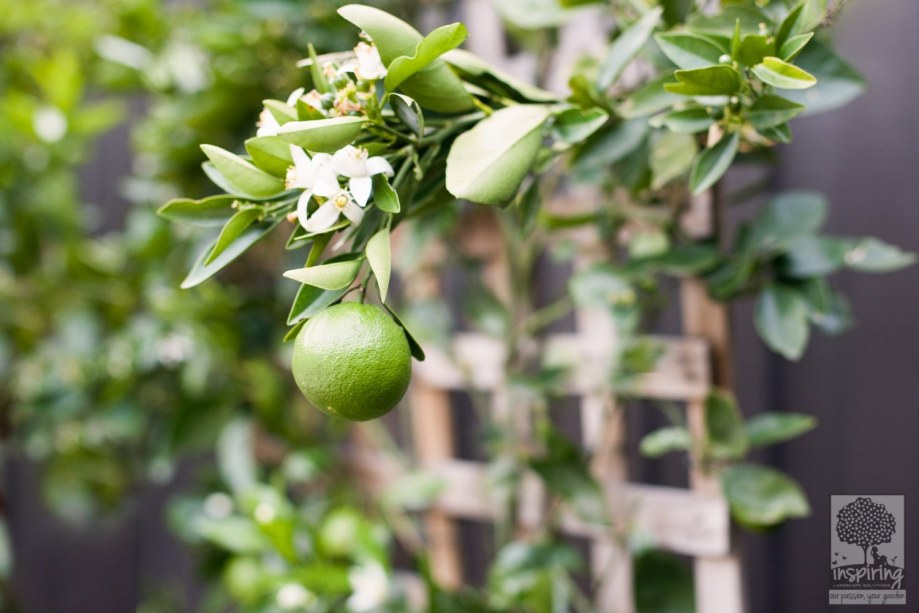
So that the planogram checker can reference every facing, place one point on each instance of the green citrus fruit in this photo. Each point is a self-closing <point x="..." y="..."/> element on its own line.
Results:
<point x="352" y="361"/>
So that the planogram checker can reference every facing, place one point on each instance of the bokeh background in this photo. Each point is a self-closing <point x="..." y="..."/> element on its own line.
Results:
<point x="85" y="259"/>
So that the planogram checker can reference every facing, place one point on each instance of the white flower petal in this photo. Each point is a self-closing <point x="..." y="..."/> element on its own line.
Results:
<point x="302" y="203"/>
<point x="300" y="158"/>
<point x="324" y="217"/>
<point x="295" y="95"/>
<point x="360" y="188"/>
<point x="353" y="212"/>
<point x="378" y="165"/>
<point x="325" y="183"/>
<point x="349" y="161"/>
<point x="321" y="159"/>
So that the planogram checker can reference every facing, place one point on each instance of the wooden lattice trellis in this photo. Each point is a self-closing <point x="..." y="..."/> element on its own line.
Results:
<point x="694" y="522"/>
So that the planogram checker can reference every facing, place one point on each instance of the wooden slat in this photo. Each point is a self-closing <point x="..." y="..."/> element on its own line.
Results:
<point x="671" y="518"/>
<point x="476" y="361"/>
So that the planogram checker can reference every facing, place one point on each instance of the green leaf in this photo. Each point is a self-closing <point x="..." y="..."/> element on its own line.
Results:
<point x="785" y="218"/>
<point x="413" y="345"/>
<point x="243" y="175"/>
<point x="380" y="260"/>
<point x="761" y="496"/>
<point x="408" y="112"/>
<point x="428" y="49"/>
<point x="384" y="196"/>
<point x="781" y="319"/>
<point x="663" y="583"/>
<point x="336" y="275"/>
<point x="201" y="272"/>
<point x="684" y="260"/>
<point x="671" y="157"/>
<point x="687" y="121"/>
<point x="281" y="111"/>
<point x="626" y="47"/>
<point x="753" y="49"/>
<point x="712" y="81"/>
<point x="574" y="125"/>
<point x="534" y="14"/>
<point x="320" y="82"/>
<point x="235" y="534"/>
<point x="689" y="51"/>
<point x="726" y="438"/>
<point x="207" y="212"/>
<point x="476" y="71"/>
<point x="770" y="111"/>
<point x="437" y="87"/>
<point x="794" y="45"/>
<point x="600" y="286"/>
<point x="771" y="428"/>
<point x="488" y="163"/>
<point x="232" y="230"/>
<point x="804" y="17"/>
<point x="311" y="300"/>
<point x="664" y="441"/>
<point x="610" y="145"/>
<point x="837" y="82"/>
<point x="271" y="154"/>
<point x="779" y="134"/>
<point x="827" y="309"/>
<point x="873" y="255"/>
<point x="814" y="256"/>
<point x="323" y="135"/>
<point x="712" y="163"/>
<point x="649" y="99"/>
<point x="565" y="472"/>
<point x="783" y="75"/>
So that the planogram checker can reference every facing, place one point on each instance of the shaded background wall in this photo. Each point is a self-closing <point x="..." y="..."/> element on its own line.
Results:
<point x="863" y="386"/>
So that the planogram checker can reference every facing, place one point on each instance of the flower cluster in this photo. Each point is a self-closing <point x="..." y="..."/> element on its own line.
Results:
<point x="319" y="177"/>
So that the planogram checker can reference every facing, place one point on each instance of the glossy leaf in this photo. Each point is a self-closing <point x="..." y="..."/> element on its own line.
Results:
<point x="726" y="438"/>
<point x="336" y="275"/>
<point x="783" y="75"/>
<point x="837" y="82"/>
<point x="488" y="163"/>
<point x="794" y="45"/>
<point x="626" y="47"/>
<point x="380" y="260"/>
<point x="384" y="196"/>
<point x="649" y="99"/>
<point x="784" y="218"/>
<point x="712" y="163"/>
<point x="664" y="441"/>
<point x="671" y="157"/>
<point x="574" y="125"/>
<point x="689" y="51"/>
<point x="201" y="272"/>
<point x="711" y="81"/>
<point x="781" y="319"/>
<point x="688" y="121"/>
<point x="271" y="154"/>
<point x="413" y="345"/>
<point x="241" y="174"/>
<point x="761" y="496"/>
<point x="770" y="111"/>
<point x="475" y="70"/>
<point x="873" y="255"/>
<point x="408" y="112"/>
<point x="232" y="231"/>
<point x="431" y="47"/>
<point x="814" y="256"/>
<point x="770" y="428"/>
<point x="753" y="49"/>
<point x="323" y="135"/>
<point x="206" y="213"/>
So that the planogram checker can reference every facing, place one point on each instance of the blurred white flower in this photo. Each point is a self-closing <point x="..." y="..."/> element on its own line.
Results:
<point x="370" y="585"/>
<point x="314" y="176"/>
<point x="50" y="124"/>
<point x="218" y="505"/>
<point x="294" y="596"/>
<point x="327" y="214"/>
<point x="264" y="513"/>
<point x="369" y="66"/>
<point x="295" y="95"/>
<point x="267" y="124"/>
<point x="354" y="163"/>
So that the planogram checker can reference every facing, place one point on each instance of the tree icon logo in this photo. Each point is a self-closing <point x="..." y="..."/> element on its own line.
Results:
<point x="865" y="523"/>
<point x="867" y="549"/>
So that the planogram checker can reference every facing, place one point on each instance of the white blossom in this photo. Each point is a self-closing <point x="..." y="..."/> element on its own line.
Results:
<point x="370" y="586"/>
<point x="314" y="176"/>
<point x="354" y="163"/>
<point x="294" y="596"/>
<point x="327" y="214"/>
<point x="368" y="65"/>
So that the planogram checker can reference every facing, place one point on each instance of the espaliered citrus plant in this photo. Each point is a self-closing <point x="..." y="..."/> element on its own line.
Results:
<point x="407" y="127"/>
